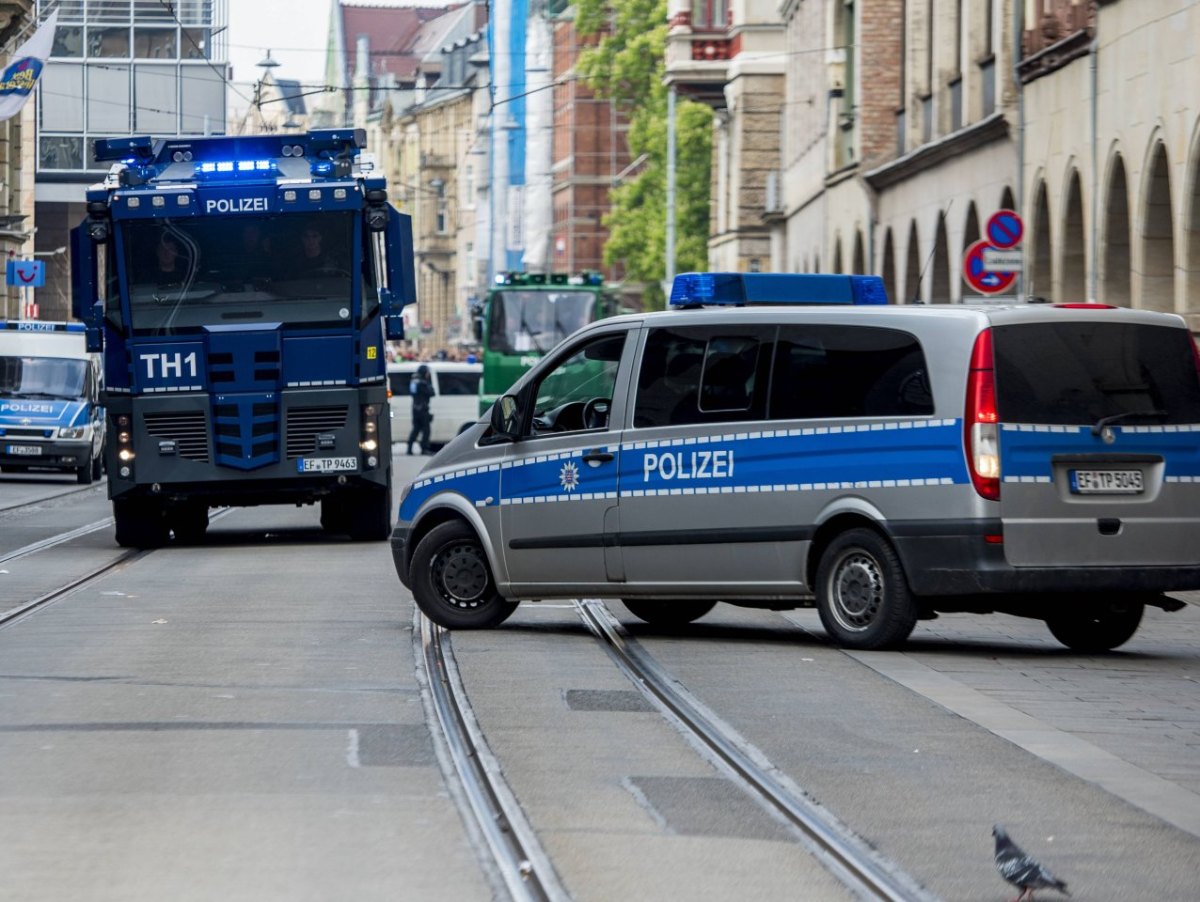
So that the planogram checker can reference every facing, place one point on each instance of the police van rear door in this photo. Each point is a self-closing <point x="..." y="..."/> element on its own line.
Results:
<point x="1099" y="435"/>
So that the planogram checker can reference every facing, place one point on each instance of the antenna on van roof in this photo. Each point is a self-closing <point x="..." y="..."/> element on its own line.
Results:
<point x="928" y="260"/>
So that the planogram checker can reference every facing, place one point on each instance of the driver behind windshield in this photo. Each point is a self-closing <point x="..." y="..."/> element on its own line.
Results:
<point x="171" y="267"/>
<point x="313" y="255"/>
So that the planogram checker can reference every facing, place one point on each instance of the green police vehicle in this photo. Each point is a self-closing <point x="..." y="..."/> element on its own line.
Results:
<point x="524" y="315"/>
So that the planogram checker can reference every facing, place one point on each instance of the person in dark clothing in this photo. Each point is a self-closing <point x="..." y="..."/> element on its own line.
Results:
<point x="421" y="389"/>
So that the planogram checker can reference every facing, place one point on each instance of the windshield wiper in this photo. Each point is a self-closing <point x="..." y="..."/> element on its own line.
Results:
<point x="525" y="326"/>
<point x="1099" y="425"/>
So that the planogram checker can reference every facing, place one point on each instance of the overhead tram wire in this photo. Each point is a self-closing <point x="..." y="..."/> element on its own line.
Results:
<point x="170" y="7"/>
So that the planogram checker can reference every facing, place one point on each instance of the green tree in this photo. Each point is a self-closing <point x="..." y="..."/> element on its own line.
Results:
<point x="626" y="66"/>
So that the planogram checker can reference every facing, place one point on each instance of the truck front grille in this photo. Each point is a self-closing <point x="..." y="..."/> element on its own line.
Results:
<point x="186" y="428"/>
<point x="305" y="423"/>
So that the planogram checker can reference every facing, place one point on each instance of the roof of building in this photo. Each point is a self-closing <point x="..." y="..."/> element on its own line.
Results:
<point x="393" y="33"/>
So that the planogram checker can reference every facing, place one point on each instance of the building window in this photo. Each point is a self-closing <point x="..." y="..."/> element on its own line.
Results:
<point x="709" y="15"/>
<point x="439" y="216"/>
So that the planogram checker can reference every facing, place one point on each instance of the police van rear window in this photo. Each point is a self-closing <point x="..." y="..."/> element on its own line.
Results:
<point x="1072" y="373"/>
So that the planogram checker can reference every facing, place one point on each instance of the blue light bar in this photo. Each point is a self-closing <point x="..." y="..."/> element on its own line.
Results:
<point x="37" y="325"/>
<point x="734" y="289"/>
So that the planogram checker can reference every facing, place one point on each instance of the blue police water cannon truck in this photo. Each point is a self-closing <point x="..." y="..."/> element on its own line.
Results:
<point x="241" y="290"/>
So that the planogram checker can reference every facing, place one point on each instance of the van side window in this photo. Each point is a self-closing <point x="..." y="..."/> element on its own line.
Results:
<point x="398" y="383"/>
<point x="458" y="383"/>
<point x="702" y="375"/>
<point x="824" y="371"/>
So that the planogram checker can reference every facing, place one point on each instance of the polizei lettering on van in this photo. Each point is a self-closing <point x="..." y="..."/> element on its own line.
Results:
<point x="688" y="465"/>
<point x="236" y="205"/>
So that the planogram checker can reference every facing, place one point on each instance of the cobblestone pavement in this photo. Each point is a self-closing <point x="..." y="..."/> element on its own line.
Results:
<point x="1128" y="720"/>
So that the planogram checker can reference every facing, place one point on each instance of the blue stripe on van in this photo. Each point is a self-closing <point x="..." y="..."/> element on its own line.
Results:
<point x="898" y="454"/>
<point x="1026" y="451"/>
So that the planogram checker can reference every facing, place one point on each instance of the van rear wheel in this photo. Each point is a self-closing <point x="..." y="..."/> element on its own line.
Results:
<point x="452" y="581"/>
<point x="667" y="613"/>
<point x="862" y="594"/>
<point x="1095" y="627"/>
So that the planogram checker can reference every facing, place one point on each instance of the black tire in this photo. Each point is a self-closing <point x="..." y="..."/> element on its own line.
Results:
<point x="86" y="474"/>
<point x="1092" y="627"/>
<point x="140" y="523"/>
<point x="189" y="522"/>
<point x="97" y="467"/>
<point x="862" y="594"/>
<point x="667" y="613"/>
<point x="369" y="514"/>
<point x="334" y="516"/>
<point x="452" y="581"/>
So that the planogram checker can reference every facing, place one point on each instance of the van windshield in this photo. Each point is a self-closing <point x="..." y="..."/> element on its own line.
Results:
<point x="1078" y="373"/>
<point x="47" y="378"/>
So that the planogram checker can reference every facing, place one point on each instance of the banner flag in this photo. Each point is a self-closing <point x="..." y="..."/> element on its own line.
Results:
<point x="28" y="60"/>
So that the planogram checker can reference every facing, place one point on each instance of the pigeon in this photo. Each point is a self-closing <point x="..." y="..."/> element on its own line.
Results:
<point x="1021" y="870"/>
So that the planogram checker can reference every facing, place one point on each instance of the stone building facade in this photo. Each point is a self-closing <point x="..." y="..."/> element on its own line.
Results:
<point x="1111" y="168"/>
<point x="896" y="142"/>
<point x="732" y="55"/>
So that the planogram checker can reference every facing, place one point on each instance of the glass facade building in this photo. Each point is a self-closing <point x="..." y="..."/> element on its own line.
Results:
<point x="122" y="67"/>
<point x="118" y="67"/>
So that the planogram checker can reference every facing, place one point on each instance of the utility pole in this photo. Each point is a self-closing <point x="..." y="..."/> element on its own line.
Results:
<point x="670" y="249"/>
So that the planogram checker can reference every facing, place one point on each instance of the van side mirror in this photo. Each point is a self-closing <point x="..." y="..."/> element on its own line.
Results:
<point x="506" y="418"/>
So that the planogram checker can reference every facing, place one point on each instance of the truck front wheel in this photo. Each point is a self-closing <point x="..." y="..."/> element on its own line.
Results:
<point x="140" y="523"/>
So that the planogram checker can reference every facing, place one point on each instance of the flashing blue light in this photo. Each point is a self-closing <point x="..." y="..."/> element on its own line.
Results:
<point x="235" y="167"/>
<point x="737" y="289"/>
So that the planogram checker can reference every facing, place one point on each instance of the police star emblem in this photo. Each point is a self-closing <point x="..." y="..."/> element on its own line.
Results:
<point x="568" y="477"/>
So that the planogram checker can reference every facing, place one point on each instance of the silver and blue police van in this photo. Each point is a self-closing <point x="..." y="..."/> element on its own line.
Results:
<point x="50" y="413"/>
<point x="780" y="441"/>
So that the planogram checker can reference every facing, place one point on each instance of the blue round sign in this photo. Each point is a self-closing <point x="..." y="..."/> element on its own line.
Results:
<point x="1005" y="229"/>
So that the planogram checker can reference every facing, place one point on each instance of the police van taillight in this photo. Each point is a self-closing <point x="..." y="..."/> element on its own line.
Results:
<point x="980" y="423"/>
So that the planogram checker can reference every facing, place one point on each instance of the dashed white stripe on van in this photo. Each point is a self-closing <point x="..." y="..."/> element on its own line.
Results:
<point x="1133" y="430"/>
<point x="174" y="388"/>
<point x="792" y="487"/>
<point x="1029" y="479"/>
<point x="318" y="383"/>
<point x="447" y="475"/>
<point x="1189" y="479"/>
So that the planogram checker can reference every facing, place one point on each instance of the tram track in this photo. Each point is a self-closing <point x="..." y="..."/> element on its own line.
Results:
<point x="501" y="828"/>
<point x="519" y="861"/>
<point x="25" y="608"/>
<point x="37" y="502"/>
<point x="864" y="873"/>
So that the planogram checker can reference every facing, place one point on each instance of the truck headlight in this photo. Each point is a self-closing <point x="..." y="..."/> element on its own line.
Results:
<point x="73" y="432"/>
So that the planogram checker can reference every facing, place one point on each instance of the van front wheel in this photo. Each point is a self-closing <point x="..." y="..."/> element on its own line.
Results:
<point x="1092" y="628"/>
<point x="862" y="595"/>
<point x="452" y="580"/>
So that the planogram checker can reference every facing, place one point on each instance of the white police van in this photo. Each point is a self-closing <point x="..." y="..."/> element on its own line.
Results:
<point x="50" y="415"/>
<point x="779" y="441"/>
